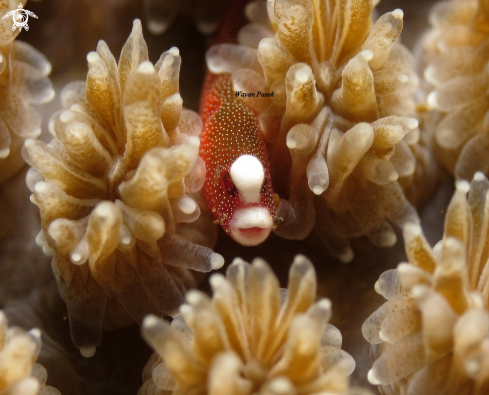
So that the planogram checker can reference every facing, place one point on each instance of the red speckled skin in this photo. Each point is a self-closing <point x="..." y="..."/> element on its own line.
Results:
<point x="230" y="130"/>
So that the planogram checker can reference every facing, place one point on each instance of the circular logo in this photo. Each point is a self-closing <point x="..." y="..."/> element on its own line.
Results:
<point x="20" y="16"/>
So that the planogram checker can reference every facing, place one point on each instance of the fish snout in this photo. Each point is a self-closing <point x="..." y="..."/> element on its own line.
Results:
<point x="251" y="225"/>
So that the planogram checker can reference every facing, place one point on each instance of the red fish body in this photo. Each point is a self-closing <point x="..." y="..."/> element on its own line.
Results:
<point x="237" y="188"/>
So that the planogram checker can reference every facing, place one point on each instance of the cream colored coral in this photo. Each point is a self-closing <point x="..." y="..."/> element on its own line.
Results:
<point x="433" y="333"/>
<point x="23" y="82"/>
<point x="250" y="338"/>
<point x="343" y="107"/>
<point x="19" y="374"/>
<point x="116" y="191"/>
<point x="456" y="51"/>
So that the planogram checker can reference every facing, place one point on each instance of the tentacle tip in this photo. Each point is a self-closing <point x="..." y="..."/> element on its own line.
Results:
<point x="28" y="385"/>
<point x="237" y="261"/>
<point x="412" y="123"/>
<point x="472" y="366"/>
<point x="403" y="78"/>
<point x="281" y="385"/>
<point x="146" y="67"/>
<point x="430" y="74"/>
<point x="217" y="261"/>
<point x="36" y="333"/>
<point x="418" y="291"/>
<point x="4" y="153"/>
<point x="207" y="28"/>
<point x="412" y="229"/>
<point x="346" y="256"/>
<point x="479" y="176"/>
<point x="48" y="251"/>
<point x="93" y="57"/>
<point x="137" y="23"/>
<point x="452" y="243"/>
<point x="390" y="239"/>
<point x="324" y="304"/>
<point x="187" y="205"/>
<point x="377" y="287"/>
<point x="76" y="258"/>
<point x="372" y="378"/>
<point x="29" y="143"/>
<point x="126" y="240"/>
<point x="150" y="321"/>
<point x="432" y="100"/>
<point x="393" y="176"/>
<point x="291" y="143"/>
<point x="300" y="259"/>
<point x="174" y="51"/>
<point x="185" y="309"/>
<point x="104" y="209"/>
<point x="462" y="186"/>
<point x="403" y="267"/>
<point x="398" y="13"/>
<point x="193" y="297"/>
<point x="367" y="54"/>
<point x="318" y="190"/>
<point x="194" y="141"/>
<point x="67" y="116"/>
<point x="217" y="280"/>
<point x="41" y="187"/>
<point x="88" y="352"/>
<point x="302" y="76"/>
<point x="157" y="27"/>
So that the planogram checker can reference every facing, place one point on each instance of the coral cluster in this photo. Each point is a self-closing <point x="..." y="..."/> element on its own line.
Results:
<point x="23" y="82"/>
<point x="341" y="125"/>
<point x="19" y="374"/>
<point x="456" y="53"/>
<point x="433" y="333"/>
<point x="116" y="191"/>
<point x="250" y="338"/>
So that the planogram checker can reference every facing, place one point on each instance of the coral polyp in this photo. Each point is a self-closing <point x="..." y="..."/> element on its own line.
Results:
<point x="23" y="83"/>
<point x="456" y="55"/>
<point x="342" y="127"/>
<point x="116" y="191"/>
<point x="19" y="374"/>
<point x="251" y="338"/>
<point x="433" y="330"/>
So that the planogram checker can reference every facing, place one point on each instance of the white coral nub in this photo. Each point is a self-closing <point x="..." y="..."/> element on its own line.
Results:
<point x="117" y="188"/>
<point x="433" y="331"/>
<point x="249" y="338"/>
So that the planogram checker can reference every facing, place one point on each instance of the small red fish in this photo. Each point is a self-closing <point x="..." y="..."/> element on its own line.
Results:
<point x="238" y="188"/>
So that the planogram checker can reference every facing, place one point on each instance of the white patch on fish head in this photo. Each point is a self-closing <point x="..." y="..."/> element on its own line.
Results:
<point x="248" y="174"/>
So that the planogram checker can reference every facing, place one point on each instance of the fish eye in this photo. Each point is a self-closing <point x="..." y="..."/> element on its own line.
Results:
<point x="264" y="185"/>
<point x="228" y="184"/>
